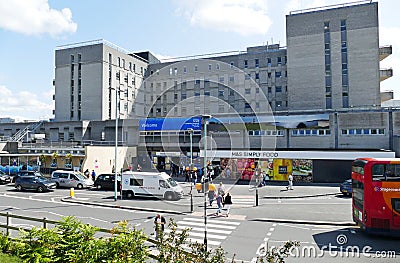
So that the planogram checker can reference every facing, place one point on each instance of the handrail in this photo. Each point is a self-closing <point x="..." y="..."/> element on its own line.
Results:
<point x="46" y="221"/>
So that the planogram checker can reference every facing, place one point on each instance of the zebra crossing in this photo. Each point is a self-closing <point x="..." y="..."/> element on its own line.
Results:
<point x="218" y="229"/>
<point x="243" y="201"/>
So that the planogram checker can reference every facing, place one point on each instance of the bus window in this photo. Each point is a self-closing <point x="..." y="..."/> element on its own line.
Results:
<point x="378" y="171"/>
<point x="386" y="172"/>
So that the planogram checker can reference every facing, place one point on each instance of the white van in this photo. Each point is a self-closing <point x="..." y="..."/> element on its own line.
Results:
<point x="150" y="184"/>
<point x="71" y="179"/>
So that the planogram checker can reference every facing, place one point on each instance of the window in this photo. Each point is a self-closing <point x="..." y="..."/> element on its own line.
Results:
<point x="269" y="62"/>
<point x="231" y="78"/>
<point x="278" y="89"/>
<point x="136" y="182"/>
<point x="245" y="64"/>
<point x="232" y="64"/>
<point x="278" y="74"/>
<point x="247" y="91"/>
<point x="195" y="68"/>
<point x="257" y="75"/>
<point x="184" y="70"/>
<point x="279" y="61"/>
<point x="221" y="93"/>
<point x="221" y="79"/>
<point x="256" y="63"/>
<point x="209" y="67"/>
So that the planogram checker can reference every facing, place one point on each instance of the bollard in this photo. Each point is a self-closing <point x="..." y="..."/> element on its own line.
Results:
<point x="72" y="193"/>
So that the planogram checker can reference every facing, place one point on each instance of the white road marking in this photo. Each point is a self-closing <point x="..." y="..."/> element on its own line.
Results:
<point x="208" y="225"/>
<point x="211" y="221"/>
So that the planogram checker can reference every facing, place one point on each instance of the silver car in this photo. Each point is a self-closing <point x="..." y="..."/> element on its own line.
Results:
<point x="71" y="179"/>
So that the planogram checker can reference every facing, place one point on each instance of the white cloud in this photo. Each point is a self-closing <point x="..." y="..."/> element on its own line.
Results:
<point x="246" y="17"/>
<point x="35" y="17"/>
<point x="24" y="104"/>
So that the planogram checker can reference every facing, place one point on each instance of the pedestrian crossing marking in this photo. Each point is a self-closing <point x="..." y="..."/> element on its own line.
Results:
<point x="211" y="221"/>
<point x="217" y="229"/>
<point x="195" y="234"/>
<point x="208" y="225"/>
<point x="201" y="229"/>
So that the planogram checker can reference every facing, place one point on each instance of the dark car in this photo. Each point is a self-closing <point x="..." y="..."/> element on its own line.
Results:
<point x="346" y="187"/>
<point x="37" y="183"/>
<point x="107" y="182"/>
<point x="4" y="178"/>
<point x="26" y="173"/>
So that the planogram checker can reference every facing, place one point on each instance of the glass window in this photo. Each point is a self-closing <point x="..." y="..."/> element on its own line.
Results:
<point x="366" y="131"/>
<point x="245" y="64"/>
<point x="257" y="75"/>
<point x="278" y="89"/>
<point x="278" y="74"/>
<point x="256" y="63"/>
<point x="344" y="132"/>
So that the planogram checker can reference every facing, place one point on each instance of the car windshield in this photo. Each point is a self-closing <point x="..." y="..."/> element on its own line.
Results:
<point x="80" y="176"/>
<point x="172" y="182"/>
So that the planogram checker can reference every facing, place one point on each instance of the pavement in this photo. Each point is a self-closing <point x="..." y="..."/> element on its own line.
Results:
<point x="244" y="208"/>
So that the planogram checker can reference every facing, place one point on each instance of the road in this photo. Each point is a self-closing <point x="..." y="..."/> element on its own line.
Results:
<point x="244" y="233"/>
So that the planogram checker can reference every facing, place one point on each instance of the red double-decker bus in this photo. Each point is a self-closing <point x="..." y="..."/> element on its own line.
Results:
<point x="376" y="195"/>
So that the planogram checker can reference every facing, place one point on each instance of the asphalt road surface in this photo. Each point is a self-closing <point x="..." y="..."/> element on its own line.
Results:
<point x="243" y="235"/>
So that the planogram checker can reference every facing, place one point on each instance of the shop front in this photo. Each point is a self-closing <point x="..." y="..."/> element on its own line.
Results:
<point x="305" y="166"/>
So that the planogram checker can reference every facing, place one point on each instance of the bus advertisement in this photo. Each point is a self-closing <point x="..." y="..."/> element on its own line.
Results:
<point x="376" y="195"/>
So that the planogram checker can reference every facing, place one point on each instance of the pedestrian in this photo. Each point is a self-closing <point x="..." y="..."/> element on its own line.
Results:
<point x="86" y="173"/>
<point x="219" y="204"/>
<point x="290" y="181"/>
<point x="221" y="189"/>
<point x="228" y="203"/>
<point x="187" y="174"/>
<point x="211" y="193"/>
<point x="93" y="175"/>
<point x="159" y="223"/>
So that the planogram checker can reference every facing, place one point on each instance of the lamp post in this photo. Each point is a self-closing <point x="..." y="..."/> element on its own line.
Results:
<point x="205" y="119"/>
<point x="116" y="145"/>
<point x="190" y="130"/>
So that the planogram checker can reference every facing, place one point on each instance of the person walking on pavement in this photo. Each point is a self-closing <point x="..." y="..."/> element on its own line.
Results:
<point x="211" y="193"/>
<point x="93" y="175"/>
<point x="159" y="223"/>
<point x="219" y="204"/>
<point x="228" y="203"/>
<point x="290" y="181"/>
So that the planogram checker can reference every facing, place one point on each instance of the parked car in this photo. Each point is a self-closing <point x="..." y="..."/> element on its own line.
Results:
<point x="37" y="183"/>
<point x="346" y="187"/>
<point x="26" y="173"/>
<point x="107" y="182"/>
<point x="71" y="179"/>
<point x="4" y="178"/>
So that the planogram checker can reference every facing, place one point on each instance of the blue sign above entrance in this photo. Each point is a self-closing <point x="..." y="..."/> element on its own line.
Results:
<point x="170" y="124"/>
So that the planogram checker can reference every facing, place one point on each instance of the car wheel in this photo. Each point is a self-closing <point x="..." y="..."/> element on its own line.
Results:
<point x="98" y="186"/>
<point x="79" y="186"/>
<point x="169" y="196"/>
<point x="40" y="189"/>
<point x="18" y="187"/>
<point x="130" y="194"/>
<point x="57" y="185"/>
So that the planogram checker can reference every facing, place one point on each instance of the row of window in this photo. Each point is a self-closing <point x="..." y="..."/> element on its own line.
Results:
<point x="266" y="133"/>
<point x="174" y="71"/>
<point x="311" y="132"/>
<point x="363" y="131"/>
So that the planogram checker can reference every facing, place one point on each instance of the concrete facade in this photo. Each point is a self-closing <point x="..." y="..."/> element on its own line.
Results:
<point x="88" y="77"/>
<point x="352" y="30"/>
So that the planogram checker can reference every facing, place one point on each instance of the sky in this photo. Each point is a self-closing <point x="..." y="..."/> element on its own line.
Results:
<point x="31" y="30"/>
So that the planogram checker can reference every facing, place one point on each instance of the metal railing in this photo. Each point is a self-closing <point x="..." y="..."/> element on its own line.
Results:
<point x="45" y="222"/>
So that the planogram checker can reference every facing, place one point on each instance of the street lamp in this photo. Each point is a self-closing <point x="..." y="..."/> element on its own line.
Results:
<point x="190" y="130"/>
<point x="116" y="145"/>
<point x="205" y="119"/>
